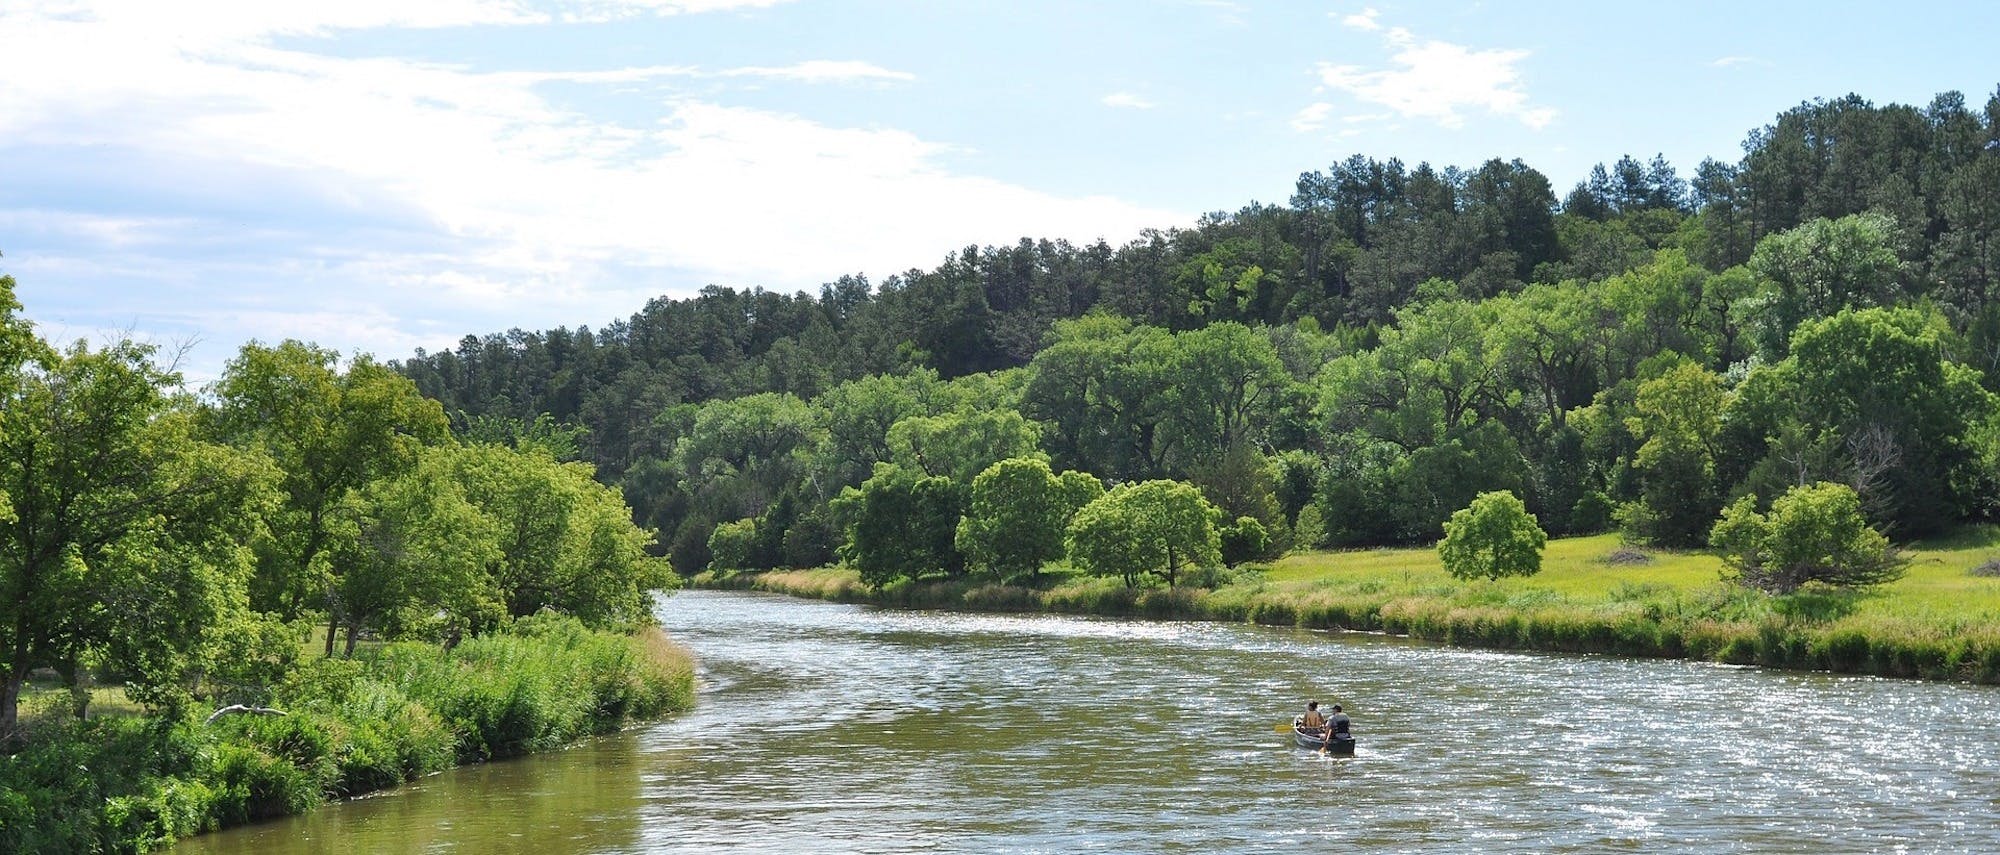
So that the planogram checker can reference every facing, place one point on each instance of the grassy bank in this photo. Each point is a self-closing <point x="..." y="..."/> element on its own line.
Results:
<point x="1940" y="622"/>
<point x="130" y="784"/>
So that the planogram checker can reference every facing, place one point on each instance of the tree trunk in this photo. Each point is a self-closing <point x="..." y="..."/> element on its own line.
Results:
<point x="10" y="691"/>
<point x="77" y="679"/>
<point x="352" y="631"/>
<point x="10" y="700"/>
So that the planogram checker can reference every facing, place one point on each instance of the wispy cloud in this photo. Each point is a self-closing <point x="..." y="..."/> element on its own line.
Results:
<point x="456" y="185"/>
<point x="1436" y="80"/>
<point x="1127" y="101"/>
<point x="1363" y="20"/>
<point x="1312" y="117"/>
<point x="1228" y="12"/>
<point x="1731" y="61"/>
<point x="825" y="71"/>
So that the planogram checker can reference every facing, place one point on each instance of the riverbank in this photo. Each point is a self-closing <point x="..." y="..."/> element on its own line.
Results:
<point x="132" y="784"/>
<point x="1940" y="622"/>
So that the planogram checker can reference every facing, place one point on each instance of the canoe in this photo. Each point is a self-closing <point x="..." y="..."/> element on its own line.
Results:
<point x="1343" y="743"/>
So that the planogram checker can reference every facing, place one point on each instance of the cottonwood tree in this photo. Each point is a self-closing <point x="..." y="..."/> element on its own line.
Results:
<point x="1495" y="536"/>
<point x="1156" y="527"/>
<point x="901" y="525"/>
<point x="414" y="555"/>
<point x="1678" y="420"/>
<point x="566" y="541"/>
<point x="1018" y="513"/>
<point x="120" y="533"/>
<point x="330" y="432"/>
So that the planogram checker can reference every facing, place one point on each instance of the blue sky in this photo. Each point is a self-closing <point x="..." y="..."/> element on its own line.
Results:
<point x="384" y="175"/>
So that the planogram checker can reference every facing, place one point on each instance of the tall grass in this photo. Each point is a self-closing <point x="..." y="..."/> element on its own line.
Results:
<point x="351" y="726"/>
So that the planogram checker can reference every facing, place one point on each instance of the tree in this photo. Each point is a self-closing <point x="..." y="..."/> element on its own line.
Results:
<point x="566" y="541"/>
<point x="330" y="432"/>
<point x="857" y="416"/>
<point x="1495" y="536"/>
<point x="960" y="445"/>
<point x="1814" y="533"/>
<point x="1678" y="420"/>
<point x="1876" y="384"/>
<point x="1224" y="385"/>
<point x="414" y="556"/>
<point x="1432" y="374"/>
<point x="1018" y="513"/>
<point x="1103" y="387"/>
<point x="1152" y="527"/>
<point x="902" y="525"/>
<point x="122" y="535"/>
<point x="1825" y="266"/>
<point x="729" y="545"/>
<point x="1243" y="540"/>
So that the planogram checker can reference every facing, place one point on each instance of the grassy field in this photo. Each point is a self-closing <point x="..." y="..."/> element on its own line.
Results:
<point x="1940" y="621"/>
<point x="1938" y="587"/>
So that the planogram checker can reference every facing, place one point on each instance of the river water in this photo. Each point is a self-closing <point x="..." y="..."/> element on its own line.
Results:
<point x="832" y="728"/>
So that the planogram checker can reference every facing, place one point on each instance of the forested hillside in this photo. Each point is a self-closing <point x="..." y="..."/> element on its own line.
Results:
<point x="1349" y="367"/>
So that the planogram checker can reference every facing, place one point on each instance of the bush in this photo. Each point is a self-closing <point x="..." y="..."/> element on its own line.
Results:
<point x="1593" y="512"/>
<point x="1244" y="540"/>
<point x="1813" y="534"/>
<point x="129" y="785"/>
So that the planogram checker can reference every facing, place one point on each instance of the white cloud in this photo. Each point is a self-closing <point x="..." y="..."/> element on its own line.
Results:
<point x="1228" y="12"/>
<point x="1312" y="117"/>
<point x="1127" y="100"/>
<point x="824" y="71"/>
<point x="612" y="10"/>
<point x="507" y="202"/>
<point x="1363" y="20"/>
<point x="1436" y="80"/>
<point x="1729" y="61"/>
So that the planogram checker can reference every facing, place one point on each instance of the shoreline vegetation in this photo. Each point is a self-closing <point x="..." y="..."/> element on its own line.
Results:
<point x="1941" y="621"/>
<point x="390" y="715"/>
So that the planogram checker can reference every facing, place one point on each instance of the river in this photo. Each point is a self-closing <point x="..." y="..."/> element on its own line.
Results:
<point x="833" y="728"/>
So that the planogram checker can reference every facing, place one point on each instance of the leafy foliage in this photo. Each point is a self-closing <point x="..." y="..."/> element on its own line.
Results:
<point x="1017" y="516"/>
<point x="1154" y="527"/>
<point x="1815" y="533"/>
<point x="1494" y="536"/>
<point x="902" y="525"/>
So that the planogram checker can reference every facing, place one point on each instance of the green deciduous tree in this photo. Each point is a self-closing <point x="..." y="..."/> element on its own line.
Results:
<point x="414" y="557"/>
<point x="1155" y="527"/>
<point x="1868" y="398"/>
<point x="330" y="432"/>
<point x="122" y="535"/>
<point x="901" y="525"/>
<point x="1495" y="536"/>
<point x="1678" y="420"/>
<point x="1018" y="514"/>
<point x="960" y="445"/>
<point x="730" y="545"/>
<point x="1813" y="533"/>
<point x="566" y="542"/>
<point x="1824" y="266"/>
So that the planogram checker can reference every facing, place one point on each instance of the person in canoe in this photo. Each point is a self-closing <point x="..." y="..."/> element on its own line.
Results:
<point x="1313" y="722"/>
<point x="1337" y="738"/>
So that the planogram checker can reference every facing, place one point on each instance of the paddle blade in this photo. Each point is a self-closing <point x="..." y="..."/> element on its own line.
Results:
<point x="1284" y="727"/>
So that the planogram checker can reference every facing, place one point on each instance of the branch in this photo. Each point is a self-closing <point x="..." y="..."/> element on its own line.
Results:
<point x="239" y="708"/>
